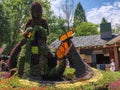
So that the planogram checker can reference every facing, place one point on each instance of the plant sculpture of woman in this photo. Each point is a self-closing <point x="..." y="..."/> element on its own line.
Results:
<point x="31" y="55"/>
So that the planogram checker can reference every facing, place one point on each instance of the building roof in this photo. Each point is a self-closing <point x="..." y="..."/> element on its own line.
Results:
<point x="114" y="40"/>
<point x="86" y="41"/>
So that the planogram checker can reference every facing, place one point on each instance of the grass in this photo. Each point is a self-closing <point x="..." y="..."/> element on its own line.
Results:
<point x="99" y="81"/>
<point x="103" y="83"/>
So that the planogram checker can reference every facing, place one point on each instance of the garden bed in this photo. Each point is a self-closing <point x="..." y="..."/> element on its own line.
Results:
<point x="100" y="80"/>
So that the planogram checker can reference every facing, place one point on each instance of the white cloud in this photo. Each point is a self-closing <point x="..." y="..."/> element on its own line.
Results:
<point x="55" y="6"/>
<point x="110" y="12"/>
<point x="117" y="4"/>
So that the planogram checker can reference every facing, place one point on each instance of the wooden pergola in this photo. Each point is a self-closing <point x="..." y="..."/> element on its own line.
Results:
<point x="115" y="44"/>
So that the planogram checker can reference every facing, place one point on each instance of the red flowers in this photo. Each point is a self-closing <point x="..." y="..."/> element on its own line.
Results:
<point x="4" y="77"/>
<point x="115" y="85"/>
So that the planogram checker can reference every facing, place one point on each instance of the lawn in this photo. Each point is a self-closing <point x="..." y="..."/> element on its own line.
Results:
<point x="99" y="81"/>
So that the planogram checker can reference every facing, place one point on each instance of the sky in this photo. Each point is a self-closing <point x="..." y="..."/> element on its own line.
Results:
<point x="95" y="10"/>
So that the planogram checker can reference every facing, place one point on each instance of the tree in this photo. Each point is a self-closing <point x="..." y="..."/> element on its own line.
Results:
<point x="79" y="14"/>
<point x="56" y="26"/>
<point x="86" y="28"/>
<point x="18" y="12"/>
<point x="4" y="31"/>
<point x="116" y="28"/>
<point x="68" y="7"/>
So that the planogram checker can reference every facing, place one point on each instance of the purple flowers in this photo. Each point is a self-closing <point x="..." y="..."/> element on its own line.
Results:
<point x="4" y="75"/>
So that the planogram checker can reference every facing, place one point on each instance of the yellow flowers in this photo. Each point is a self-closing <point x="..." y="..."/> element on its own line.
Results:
<point x="64" y="85"/>
<point x="28" y="83"/>
<point x="97" y="75"/>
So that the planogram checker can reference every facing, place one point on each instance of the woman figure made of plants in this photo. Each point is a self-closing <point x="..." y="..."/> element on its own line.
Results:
<point x="31" y="55"/>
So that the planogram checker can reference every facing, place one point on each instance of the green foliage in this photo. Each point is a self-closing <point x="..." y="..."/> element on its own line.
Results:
<point x="88" y="87"/>
<point x="86" y="28"/>
<point x="102" y="84"/>
<point x="21" y="61"/>
<point x="4" y="30"/>
<point x="13" y="83"/>
<point x="116" y="29"/>
<point x="79" y="14"/>
<point x="69" y="73"/>
<point x="107" y="77"/>
<point x="24" y="58"/>
<point x="18" y="12"/>
<point x="83" y="28"/>
<point x="52" y="37"/>
<point x="56" y="26"/>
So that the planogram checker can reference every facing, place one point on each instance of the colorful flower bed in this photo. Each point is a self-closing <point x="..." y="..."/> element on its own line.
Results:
<point x="4" y="75"/>
<point x="114" y="85"/>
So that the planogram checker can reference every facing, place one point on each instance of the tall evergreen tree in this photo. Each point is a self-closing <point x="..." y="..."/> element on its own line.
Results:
<point x="79" y="14"/>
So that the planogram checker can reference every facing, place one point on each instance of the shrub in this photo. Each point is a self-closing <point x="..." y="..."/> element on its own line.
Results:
<point x="69" y="73"/>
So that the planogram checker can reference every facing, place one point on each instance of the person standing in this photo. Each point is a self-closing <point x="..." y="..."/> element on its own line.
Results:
<point x="112" y="65"/>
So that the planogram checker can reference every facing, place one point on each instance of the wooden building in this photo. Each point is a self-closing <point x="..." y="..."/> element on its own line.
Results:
<point x="98" y="50"/>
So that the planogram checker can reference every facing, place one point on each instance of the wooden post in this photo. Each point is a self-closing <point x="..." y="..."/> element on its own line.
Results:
<point x="116" y="58"/>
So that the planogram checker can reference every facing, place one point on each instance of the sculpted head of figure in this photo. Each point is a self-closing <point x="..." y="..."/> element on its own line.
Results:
<point x="36" y="10"/>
